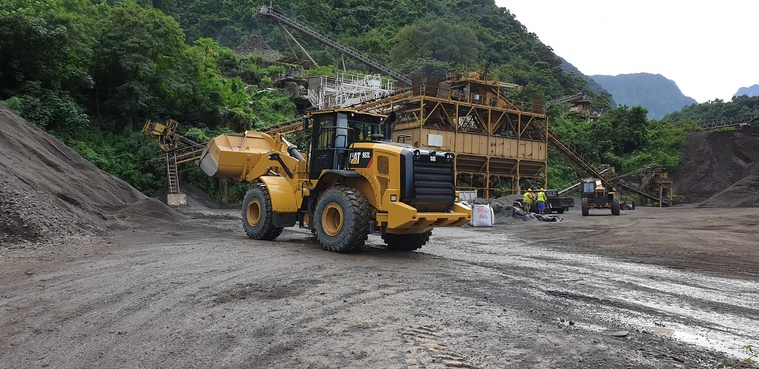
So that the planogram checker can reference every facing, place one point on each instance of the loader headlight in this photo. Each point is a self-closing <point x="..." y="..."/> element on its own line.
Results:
<point x="448" y="156"/>
<point x="393" y="198"/>
<point x="417" y="154"/>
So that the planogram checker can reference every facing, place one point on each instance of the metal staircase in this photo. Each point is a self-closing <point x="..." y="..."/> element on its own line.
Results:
<point x="172" y="174"/>
<point x="318" y="36"/>
<point x="177" y="150"/>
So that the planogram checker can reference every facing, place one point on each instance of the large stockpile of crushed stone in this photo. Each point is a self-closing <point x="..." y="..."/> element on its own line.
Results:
<point x="719" y="169"/>
<point x="48" y="192"/>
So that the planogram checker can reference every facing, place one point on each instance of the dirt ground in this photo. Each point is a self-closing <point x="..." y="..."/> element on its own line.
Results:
<point x="651" y="288"/>
<point x="94" y="274"/>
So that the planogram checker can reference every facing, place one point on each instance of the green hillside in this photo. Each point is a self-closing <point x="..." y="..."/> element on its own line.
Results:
<point x="92" y="73"/>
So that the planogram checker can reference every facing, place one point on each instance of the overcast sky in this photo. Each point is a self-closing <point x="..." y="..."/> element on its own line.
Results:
<point x="709" y="48"/>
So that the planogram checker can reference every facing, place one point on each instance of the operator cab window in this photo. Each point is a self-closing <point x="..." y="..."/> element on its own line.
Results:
<point x="588" y="187"/>
<point x="343" y="131"/>
<point x="333" y="135"/>
<point x="363" y="131"/>
<point x="326" y="134"/>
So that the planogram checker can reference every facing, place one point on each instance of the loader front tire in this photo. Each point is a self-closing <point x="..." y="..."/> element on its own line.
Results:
<point x="406" y="242"/>
<point x="257" y="216"/>
<point x="585" y="207"/>
<point x="615" y="206"/>
<point x="342" y="219"/>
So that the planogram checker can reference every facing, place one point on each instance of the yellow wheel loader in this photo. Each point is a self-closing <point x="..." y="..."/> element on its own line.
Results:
<point x="595" y="195"/>
<point x="354" y="181"/>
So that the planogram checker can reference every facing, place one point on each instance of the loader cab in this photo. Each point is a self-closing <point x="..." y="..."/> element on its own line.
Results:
<point x="333" y="134"/>
<point x="592" y="188"/>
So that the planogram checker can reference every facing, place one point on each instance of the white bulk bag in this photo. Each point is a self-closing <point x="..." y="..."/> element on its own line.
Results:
<point x="482" y="216"/>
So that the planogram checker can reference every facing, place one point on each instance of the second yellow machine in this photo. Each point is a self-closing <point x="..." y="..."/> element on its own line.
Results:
<point x="355" y="181"/>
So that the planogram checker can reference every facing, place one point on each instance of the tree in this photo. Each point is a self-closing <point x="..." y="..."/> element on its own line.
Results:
<point x="436" y="39"/>
<point x="44" y="61"/>
<point x="629" y="128"/>
<point x="133" y="62"/>
<point x="214" y="98"/>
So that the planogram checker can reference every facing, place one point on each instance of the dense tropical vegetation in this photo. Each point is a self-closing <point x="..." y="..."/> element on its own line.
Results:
<point x="92" y="72"/>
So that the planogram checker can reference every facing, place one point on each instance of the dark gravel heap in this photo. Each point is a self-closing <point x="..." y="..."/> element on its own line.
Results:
<point x="49" y="192"/>
<point x="719" y="169"/>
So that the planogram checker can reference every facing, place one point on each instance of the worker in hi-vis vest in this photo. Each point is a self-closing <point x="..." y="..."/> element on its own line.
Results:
<point x="527" y="200"/>
<point x="542" y="201"/>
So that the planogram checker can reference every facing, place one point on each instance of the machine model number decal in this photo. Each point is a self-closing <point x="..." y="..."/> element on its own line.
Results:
<point x="361" y="159"/>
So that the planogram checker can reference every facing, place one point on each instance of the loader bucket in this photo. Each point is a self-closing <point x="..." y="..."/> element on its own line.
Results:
<point x="232" y="156"/>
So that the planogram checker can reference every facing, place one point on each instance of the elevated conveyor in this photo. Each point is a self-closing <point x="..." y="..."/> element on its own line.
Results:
<point x="729" y="122"/>
<point x="268" y="11"/>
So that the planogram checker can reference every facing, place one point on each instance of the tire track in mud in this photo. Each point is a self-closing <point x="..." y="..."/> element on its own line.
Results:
<point x="427" y="348"/>
<point x="715" y="313"/>
<point x="371" y="311"/>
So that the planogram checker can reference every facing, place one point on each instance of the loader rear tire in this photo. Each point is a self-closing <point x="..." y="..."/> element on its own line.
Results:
<point x="615" y="206"/>
<point x="406" y="242"/>
<point x="257" y="216"/>
<point x="585" y="207"/>
<point x="342" y="219"/>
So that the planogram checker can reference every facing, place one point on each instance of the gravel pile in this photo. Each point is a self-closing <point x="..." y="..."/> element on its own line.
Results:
<point x="30" y="215"/>
<point x="719" y="169"/>
<point x="48" y="192"/>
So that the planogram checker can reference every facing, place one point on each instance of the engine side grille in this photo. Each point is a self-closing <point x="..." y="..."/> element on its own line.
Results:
<point x="431" y="182"/>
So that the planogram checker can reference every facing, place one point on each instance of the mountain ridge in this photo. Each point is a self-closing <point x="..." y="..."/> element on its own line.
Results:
<point x="749" y="91"/>
<point x="658" y="94"/>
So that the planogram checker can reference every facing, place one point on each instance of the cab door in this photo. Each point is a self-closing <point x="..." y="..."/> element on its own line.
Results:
<point x="330" y="141"/>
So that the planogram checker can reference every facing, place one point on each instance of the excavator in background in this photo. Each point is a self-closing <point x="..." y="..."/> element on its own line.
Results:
<point x="354" y="181"/>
